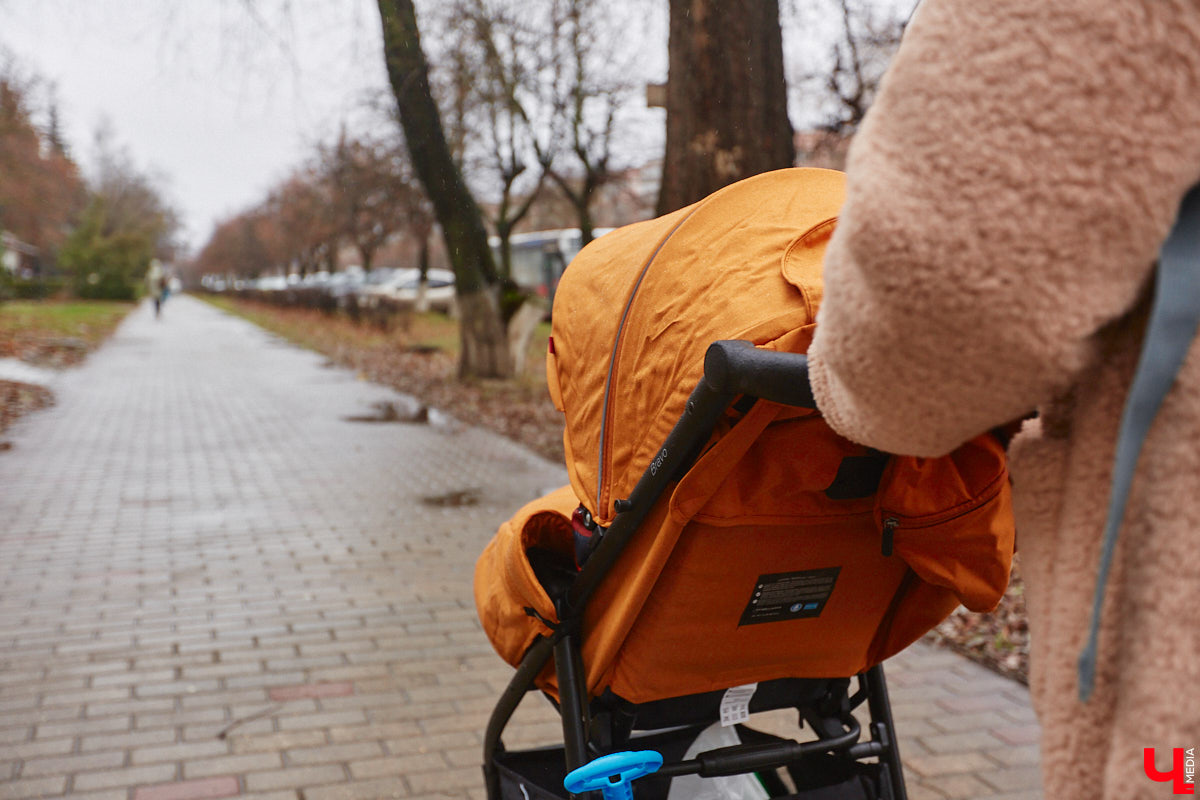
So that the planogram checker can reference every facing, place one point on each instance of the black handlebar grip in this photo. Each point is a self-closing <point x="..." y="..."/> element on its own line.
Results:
<point x="738" y="367"/>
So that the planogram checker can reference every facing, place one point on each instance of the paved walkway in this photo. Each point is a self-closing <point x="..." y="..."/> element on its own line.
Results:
<point x="213" y="584"/>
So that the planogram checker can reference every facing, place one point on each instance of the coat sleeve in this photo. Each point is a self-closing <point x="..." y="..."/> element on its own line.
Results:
<point x="1007" y="195"/>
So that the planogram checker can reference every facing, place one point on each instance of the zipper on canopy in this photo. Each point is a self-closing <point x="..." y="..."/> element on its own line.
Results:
<point x="601" y="472"/>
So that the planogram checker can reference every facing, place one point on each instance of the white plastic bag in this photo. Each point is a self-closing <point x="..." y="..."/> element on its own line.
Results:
<point x="727" y="787"/>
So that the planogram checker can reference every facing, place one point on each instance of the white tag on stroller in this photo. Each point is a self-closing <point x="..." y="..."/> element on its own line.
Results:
<point x="735" y="705"/>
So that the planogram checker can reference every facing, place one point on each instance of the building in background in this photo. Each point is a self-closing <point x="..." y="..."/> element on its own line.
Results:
<point x="18" y="257"/>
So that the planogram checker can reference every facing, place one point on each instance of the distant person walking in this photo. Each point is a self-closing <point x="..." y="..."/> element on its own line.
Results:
<point x="156" y="285"/>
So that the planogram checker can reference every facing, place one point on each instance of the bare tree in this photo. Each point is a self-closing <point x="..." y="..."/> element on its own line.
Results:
<point x="369" y="182"/>
<point x="303" y="217"/>
<point x="500" y="44"/>
<point x="590" y="89"/>
<point x="134" y="202"/>
<point x="844" y="87"/>
<point x="726" y="98"/>
<point x="549" y="83"/>
<point x="485" y="351"/>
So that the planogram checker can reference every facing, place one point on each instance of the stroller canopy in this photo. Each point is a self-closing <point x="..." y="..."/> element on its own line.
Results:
<point x="637" y="309"/>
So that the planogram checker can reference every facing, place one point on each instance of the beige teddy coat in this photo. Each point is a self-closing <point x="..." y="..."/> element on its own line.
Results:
<point x="1007" y="196"/>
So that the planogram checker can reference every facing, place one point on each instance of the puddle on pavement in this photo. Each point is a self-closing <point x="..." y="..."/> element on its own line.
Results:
<point x="387" y="411"/>
<point x="455" y="499"/>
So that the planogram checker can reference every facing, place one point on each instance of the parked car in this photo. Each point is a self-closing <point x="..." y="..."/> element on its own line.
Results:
<point x="315" y="280"/>
<point x="403" y="287"/>
<point x="271" y="283"/>
<point x="344" y="283"/>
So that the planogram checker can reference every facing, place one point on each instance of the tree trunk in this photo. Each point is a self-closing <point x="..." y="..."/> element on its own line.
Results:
<point x="583" y="210"/>
<point x="484" y="341"/>
<point x="422" y="304"/>
<point x="484" y="351"/>
<point x="520" y="332"/>
<point x="726" y="98"/>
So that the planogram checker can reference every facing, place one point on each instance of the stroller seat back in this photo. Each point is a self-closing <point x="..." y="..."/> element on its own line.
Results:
<point x="784" y="550"/>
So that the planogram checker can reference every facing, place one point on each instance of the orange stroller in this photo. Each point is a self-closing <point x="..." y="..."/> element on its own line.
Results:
<point x="720" y="551"/>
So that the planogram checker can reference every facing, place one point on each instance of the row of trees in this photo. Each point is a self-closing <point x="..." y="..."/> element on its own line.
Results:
<point x="358" y="191"/>
<point x="41" y="190"/>
<point x="530" y="97"/>
<point x="513" y="101"/>
<point x="97" y="234"/>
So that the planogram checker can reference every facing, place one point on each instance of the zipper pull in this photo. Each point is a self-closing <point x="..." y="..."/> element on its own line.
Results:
<point x="889" y="534"/>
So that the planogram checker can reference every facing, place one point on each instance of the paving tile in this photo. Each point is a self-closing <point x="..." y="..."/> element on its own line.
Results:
<point x="242" y="742"/>
<point x="405" y="765"/>
<point x="394" y="787"/>
<point x="297" y="777"/>
<point x="1017" y="778"/>
<point x="102" y="794"/>
<point x="126" y="777"/>
<point x="1016" y="755"/>
<point x="431" y="782"/>
<point x="14" y="735"/>
<point x="63" y="765"/>
<point x="1018" y="734"/>
<point x="311" y="690"/>
<point x="182" y="751"/>
<point x="942" y="743"/>
<point x="40" y="747"/>
<point x="232" y="764"/>
<point x="84" y="727"/>
<point x="50" y="786"/>
<point x="332" y="753"/>
<point x="325" y="720"/>
<point x="948" y="764"/>
<point x="223" y="786"/>
<point x="122" y="741"/>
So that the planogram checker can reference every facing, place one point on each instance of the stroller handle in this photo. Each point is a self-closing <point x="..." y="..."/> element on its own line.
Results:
<point x="734" y="367"/>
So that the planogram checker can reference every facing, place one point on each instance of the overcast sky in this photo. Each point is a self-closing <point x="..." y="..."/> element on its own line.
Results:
<point x="215" y="104"/>
<point x="220" y="99"/>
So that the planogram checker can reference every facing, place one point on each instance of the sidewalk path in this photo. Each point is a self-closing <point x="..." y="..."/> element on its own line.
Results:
<point x="213" y="584"/>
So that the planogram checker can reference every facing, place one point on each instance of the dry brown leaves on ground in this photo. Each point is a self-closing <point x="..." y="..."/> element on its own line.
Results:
<point x="54" y="352"/>
<point x="520" y="411"/>
<point x="20" y="398"/>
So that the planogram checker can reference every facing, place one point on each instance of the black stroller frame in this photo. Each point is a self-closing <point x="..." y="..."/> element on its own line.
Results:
<point x="732" y="369"/>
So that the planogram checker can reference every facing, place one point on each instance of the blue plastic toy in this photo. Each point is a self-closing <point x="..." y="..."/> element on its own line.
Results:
<point x="612" y="774"/>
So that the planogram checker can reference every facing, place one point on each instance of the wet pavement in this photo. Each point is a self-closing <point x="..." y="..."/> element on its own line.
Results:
<point x="214" y="583"/>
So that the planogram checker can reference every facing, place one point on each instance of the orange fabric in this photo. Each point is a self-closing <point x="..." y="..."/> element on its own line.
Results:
<point x="505" y="584"/>
<point x="713" y="270"/>
<point x="752" y="516"/>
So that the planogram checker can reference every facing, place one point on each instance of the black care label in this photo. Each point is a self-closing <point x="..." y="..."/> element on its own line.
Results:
<point x="790" y="595"/>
